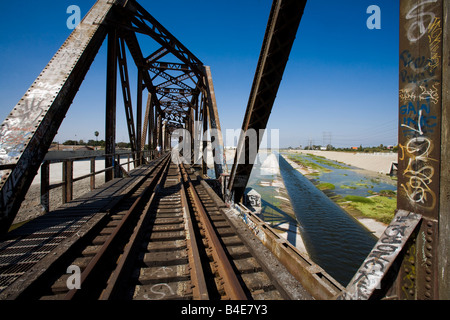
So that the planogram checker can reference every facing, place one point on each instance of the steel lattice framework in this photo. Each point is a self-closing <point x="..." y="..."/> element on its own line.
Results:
<point x="179" y="92"/>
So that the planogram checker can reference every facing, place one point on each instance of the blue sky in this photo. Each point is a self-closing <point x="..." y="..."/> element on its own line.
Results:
<point x="341" y="81"/>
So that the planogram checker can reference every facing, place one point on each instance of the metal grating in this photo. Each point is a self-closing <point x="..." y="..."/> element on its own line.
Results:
<point x="28" y="245"/>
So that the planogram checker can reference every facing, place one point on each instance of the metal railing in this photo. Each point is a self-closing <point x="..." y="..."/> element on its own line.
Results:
<point x="135" y="158"/>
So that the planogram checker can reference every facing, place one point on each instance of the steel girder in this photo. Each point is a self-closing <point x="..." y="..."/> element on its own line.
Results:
<point x="176" y="98"/>
<point x="27" y="133"/>
<point x="126" y="92"/>
<point x="423" y="164"/>
<point x="281" y="31"/>
<point x="164" y="79"/>
<point x="144" y="22"/>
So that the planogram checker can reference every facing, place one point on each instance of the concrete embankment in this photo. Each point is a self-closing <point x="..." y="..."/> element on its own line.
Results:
<point x="277" y="209"/>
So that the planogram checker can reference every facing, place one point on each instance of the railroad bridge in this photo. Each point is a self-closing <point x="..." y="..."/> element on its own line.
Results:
<point x="164" y="230"/>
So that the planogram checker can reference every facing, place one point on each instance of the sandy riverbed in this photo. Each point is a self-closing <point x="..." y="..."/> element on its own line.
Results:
<point x="376" y="162"/>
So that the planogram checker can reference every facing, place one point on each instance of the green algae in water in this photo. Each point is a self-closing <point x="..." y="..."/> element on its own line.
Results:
<point x="326" y="186"/>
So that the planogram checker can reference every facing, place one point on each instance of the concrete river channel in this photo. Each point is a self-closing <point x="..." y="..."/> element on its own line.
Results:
<point x="333" y="238"/>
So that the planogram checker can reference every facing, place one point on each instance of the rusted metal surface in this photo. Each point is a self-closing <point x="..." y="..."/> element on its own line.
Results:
<point x="111" y="100"/>
<point x="170" y="90"/>
<point x="126" y="93"/>
<point x="28" y="131"/>
<point x="420" y="106"/>
<point x="200" y="290"/>
<point x="96" y="264"/>
<point x="281" y="31"/>
<point x="232" y="286"/>
<point x="50" y="236"/>
<point x="216" y="132"/>
<point x="420" y="115"/>
<point x="316" y="281"/>
<point x="45" y="186"/>
<point x="67" y="187"/>
<point x="168" y="263"/>
<point x="170" y="254"/>
<point x="369" y="277"/>
<point x="444" y="205"/>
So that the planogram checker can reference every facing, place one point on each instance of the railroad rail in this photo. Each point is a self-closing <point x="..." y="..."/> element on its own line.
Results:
<point x="165" y="239"/>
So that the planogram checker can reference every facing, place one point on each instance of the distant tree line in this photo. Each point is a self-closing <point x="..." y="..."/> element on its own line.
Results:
<point x="329" y="147"/>
<point x="380" y="148"/>
<point x="94" y="143"/>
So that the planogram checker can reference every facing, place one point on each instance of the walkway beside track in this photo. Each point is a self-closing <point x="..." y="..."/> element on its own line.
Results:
<point x="43" y="240"/>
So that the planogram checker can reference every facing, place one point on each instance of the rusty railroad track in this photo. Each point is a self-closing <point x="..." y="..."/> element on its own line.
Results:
<point x="167" y="239"/>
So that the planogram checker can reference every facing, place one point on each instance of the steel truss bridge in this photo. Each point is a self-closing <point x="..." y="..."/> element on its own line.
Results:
<point x="175" y="90"/>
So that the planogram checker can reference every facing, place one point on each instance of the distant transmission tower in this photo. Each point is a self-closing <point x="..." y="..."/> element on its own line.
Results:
<point x="326" y="138"/>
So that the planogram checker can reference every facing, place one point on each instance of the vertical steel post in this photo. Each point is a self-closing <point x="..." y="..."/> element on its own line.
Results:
<point x="444" y="204"/>
<point x="67" y="188"/>
<point x="151" y="132"/>
<point x="162" y="136"/>
<point x="139" y="145"/>
<point x="217" y="138"/>
<point x="118" y="168"/>
<point x="147" y="124"/>
<point x="92" y="174"/>
<point x="167" y="138"/>
<point x="126" y="92"/>
<point x="422" y="116"/>
<point x="160" y="128"/>
<point x="191" y="123"/>
<point x="205" y="143"/>
<point x="45" y="189"/>
<point x="111" y="97"/>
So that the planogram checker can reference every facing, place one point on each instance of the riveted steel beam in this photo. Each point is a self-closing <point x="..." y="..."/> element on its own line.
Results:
<point x="173" y="80"/>
<point x="145" y="23"/>
<point x="28" y="131"/>
<point x="423" y="167"/>
<point x="168" y="66"/>
<point x="280" y="34"/>
<point x="111" y="102"/>
<point x="214" y="123"/>
<point x="126" y="92"/>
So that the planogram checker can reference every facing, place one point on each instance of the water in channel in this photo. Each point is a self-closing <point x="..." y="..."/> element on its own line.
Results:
<point x="334" y="240"/>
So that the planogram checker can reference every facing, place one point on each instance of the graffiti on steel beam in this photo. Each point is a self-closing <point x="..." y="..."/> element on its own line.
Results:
<point x="419" y="17"/>
<point x="419" y="97"/>
<point x="372" y="271"/>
